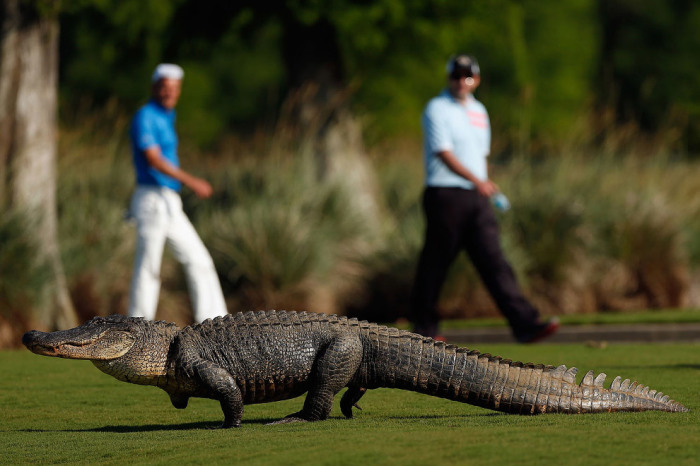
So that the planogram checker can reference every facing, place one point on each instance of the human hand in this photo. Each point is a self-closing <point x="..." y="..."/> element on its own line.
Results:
<point x="201" y="188"/>
<point x="487" y="188"/>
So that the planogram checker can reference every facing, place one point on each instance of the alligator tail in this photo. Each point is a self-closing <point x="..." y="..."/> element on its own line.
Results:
<point x="447" y="371"/>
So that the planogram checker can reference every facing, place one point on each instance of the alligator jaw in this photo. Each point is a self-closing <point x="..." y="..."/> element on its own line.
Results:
<point x="105" y="346"/>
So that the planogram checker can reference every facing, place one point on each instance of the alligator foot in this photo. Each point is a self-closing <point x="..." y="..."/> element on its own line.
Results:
<point x="350" y="399"/>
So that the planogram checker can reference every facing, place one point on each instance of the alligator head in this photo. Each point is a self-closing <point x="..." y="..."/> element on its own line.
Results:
<point x="130" y="349"/>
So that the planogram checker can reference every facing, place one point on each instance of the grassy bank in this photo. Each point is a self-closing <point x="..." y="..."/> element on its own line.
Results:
<point x="69" y="412"/>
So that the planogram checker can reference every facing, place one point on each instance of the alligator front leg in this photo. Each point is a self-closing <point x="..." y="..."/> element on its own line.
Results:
<point x="219" y="385"/>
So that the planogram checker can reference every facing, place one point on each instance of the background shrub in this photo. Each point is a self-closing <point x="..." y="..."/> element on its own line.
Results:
<point x="587" y="231"/>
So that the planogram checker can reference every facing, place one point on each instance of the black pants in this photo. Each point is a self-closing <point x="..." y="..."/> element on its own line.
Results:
<point x="462" y="219"/>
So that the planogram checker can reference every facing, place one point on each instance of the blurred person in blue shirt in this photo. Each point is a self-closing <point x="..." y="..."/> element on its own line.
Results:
<point x="157" y="207"/>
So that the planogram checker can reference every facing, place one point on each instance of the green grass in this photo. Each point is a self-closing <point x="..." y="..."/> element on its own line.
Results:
<point x="62" y="411"/>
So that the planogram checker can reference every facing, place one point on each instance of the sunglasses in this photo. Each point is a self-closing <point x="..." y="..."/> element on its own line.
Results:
<point x="459" y="77"/>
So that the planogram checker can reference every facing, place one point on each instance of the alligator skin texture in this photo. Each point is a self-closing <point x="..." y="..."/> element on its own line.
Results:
<point x="264" y="356"/>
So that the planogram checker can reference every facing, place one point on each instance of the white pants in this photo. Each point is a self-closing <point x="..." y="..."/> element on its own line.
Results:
<point x="160" y="218"/>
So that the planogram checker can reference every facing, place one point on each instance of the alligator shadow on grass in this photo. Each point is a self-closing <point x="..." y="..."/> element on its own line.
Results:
<point x="125" y="429"/>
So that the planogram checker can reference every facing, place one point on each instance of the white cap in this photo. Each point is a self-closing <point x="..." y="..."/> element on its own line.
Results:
<point x="167" y="71"/>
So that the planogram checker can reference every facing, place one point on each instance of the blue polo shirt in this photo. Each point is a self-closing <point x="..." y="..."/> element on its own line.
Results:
<point x="153" y="125"/>
<point x="463" y="129"/>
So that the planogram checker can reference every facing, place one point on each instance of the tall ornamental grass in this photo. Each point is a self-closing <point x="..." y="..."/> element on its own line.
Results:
<point x="22" y="277"/>
<point x="285" y="236"/>
<point x="336" y="230"/>
<point x="586" y="233"/>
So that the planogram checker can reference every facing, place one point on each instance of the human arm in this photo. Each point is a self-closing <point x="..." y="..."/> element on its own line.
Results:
<point x="486" y="188"/>
<point x="200" y="187"/>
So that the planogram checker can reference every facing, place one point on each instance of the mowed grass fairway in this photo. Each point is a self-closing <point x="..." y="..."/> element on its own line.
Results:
<point x="63" y="411"/>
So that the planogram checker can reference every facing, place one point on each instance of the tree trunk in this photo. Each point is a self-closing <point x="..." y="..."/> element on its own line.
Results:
<point x="28" y="146"/>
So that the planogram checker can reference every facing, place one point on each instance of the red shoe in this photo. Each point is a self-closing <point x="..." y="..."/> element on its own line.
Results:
<point x="541" y="332"/>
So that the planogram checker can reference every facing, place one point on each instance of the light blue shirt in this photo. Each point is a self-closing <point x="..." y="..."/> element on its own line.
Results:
<point x="463" y="129"/>
<point x="154" y="125"/>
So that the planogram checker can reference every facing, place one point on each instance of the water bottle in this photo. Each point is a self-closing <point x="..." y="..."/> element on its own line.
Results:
<point x="500" y="202"/>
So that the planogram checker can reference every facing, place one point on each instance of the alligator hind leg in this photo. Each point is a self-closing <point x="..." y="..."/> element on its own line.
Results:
<point x="335" y="366"/>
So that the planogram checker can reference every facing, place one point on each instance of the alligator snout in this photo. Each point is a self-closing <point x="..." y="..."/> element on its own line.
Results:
<point x="35" y="341"/>
<point x="29" y="338"/>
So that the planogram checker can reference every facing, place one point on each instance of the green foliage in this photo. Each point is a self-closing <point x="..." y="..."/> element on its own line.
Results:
<point x="68" y="412"/>
<point x="649" y="52"/>
<point x="531" y="80"/>
<point x="110" y="47"/>
<point x="236" y="86"/>
<point x="544" y="63"/>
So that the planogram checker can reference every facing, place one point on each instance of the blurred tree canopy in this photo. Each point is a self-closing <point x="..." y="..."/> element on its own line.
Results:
<point x="549" y="67"/>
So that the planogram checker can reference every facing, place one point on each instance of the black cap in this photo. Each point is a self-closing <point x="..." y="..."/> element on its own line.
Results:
<point x="463" y="65"/>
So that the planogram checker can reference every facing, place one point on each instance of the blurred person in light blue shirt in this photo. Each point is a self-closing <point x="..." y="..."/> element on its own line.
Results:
<point x="458" y="212"/>
<point x="462" y="128"/>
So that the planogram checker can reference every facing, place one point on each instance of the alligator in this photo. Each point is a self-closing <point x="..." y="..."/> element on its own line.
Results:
<point x="264" y="356"/>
